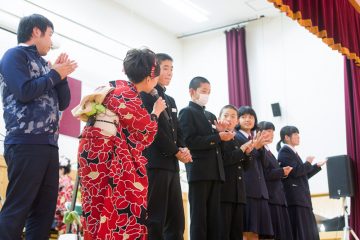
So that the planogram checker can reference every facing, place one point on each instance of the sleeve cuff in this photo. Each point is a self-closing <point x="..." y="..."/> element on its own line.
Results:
<point x="54" y="77"/>
<point x="215" y="140"/>
<point x="153" y="117"/>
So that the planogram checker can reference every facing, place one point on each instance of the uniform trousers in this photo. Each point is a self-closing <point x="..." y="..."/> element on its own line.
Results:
<point x="165" y="206"/>
<point x="31" y="195"/>
<point x="205" y="211"/>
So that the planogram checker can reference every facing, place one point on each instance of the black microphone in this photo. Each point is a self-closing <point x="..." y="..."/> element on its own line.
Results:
<point x="155" y="94"/>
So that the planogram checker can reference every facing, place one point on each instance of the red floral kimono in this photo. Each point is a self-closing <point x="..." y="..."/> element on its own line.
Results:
<point x="64" y="195"/>
<point x="112" y="170"/>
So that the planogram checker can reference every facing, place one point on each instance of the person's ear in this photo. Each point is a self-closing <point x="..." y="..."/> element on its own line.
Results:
<point x="36" y="32"/>
<point x="191" y="91"/>
<point x="287" y="139"/>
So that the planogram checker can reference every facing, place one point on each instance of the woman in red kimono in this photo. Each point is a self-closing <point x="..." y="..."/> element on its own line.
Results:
<point x="111" y="166"/>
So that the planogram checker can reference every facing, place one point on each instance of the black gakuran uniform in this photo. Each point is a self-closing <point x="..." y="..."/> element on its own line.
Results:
<point x="165" y="206"/>
<point x="205" y="174"/>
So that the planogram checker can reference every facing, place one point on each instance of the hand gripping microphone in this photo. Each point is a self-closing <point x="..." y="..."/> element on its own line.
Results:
<point x="155" y="94"/>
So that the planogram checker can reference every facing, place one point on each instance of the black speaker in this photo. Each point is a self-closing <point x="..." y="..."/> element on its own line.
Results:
<point x="340" y="176"/>
<point x="276" y="109"/>
<point x="334" y="224"/>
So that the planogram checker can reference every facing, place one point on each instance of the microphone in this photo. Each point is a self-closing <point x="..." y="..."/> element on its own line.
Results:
<point x="55" y="42"/>
<point x="154" y="93"/>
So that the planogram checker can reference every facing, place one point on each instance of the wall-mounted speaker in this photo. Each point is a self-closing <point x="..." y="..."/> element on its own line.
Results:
<point x="340" y="176"/>
<point x="276" y="109"/>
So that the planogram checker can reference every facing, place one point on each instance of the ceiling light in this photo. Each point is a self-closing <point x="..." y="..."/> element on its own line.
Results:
<point x="189" y="9"/>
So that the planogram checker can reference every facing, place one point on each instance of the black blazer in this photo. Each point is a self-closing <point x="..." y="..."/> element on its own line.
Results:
<point x="204" y="144"/>
<point x="296" y="185"/>
<point x="235" y="162"/>
<point x="254" y="176"/>
<point x="161" y="153"/>
<point x="273" y="176"/>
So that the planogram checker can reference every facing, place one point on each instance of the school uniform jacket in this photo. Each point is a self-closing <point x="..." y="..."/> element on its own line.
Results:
<point x="204" y="143"/>
<point x="254" y="177"/>
<point x="273" y="175"/>
<point x="161" y="153"/>
<point x="296" y="185"/>
<point x="235" y="163"/>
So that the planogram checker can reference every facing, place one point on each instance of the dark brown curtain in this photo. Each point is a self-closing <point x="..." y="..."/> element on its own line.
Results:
<point x="352" y="111"/>
<point x="238" y="79"/>
<point x="337" y="22"/>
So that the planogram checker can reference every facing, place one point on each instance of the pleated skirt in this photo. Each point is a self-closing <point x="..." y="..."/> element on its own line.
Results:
<point x="303" y="223"/>
<point x="257" y="217"/>
<point x="281" y="222"/>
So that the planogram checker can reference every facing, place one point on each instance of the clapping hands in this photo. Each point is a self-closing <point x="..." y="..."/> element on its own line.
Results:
<point x="63" y="65"/>
<point x="247" y="147"/>
<point x="221" y="125"/>
<point x="319" y="164"/>
<point x="287" y="170"/>
<point x="260" y="140"/>
<point x="310" y="159"/>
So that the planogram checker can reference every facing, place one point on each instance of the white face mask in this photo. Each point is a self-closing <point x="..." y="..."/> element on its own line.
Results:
<point x="203" y="99"/>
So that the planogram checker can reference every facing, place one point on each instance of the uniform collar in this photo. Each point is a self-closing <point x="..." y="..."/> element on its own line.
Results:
<point x="160" y="88"/>
<point x="197" y="106"/>
<point x="266" y="147"/>
<point x="291" y="147"/>
<point x="244" y="133"/>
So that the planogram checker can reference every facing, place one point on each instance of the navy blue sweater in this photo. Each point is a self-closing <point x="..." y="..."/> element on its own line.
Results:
<point x="33" y="96"/>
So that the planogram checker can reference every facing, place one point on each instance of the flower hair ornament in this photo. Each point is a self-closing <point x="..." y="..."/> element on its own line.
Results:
<point x="152" y="72"/>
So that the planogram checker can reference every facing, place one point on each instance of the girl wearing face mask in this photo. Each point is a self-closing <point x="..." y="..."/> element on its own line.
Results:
<point x="296" y="185"/>
<point x="257" y="223"/>
<point x="273" y="176"/>
<point x="236" y="158"/>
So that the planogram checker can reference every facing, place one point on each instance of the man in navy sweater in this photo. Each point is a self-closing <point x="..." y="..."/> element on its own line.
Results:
<point x="33" y="94"/>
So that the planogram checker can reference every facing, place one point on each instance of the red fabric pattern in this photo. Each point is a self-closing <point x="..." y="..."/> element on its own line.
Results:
<point x="112" y="170"/>
<point x="64" y="195"/>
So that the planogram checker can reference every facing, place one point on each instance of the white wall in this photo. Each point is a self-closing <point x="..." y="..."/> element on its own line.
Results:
<point x="205" y="55"/>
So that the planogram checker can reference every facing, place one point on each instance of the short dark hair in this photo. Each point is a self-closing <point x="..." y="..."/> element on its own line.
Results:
<point x="66" y="168"/>
<point x="160" y="57"/>
<point x="263" y="125"/>
<point x="28" y="23"/>
<point x="286" y="131"/>
<point x="139" y="63"/>
<point x="248" y="110"/>
<point x="229" y="106"/>
<point x="196" y="82"/>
